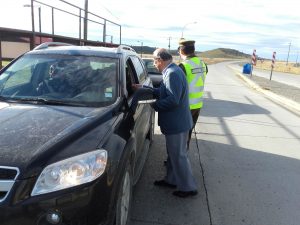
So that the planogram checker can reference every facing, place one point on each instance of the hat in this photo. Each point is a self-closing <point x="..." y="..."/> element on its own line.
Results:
<point x="184" y="42"/>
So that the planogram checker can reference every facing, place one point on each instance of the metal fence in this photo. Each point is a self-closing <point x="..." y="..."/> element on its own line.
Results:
<point x="14" y="42"/>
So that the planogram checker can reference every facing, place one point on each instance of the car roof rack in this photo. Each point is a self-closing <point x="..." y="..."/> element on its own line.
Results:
<point x="125" y="47"/>
<point x="51" y="44"/>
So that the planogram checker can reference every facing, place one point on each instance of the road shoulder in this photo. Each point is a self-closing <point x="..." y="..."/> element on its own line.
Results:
<point x="282" y="100"/>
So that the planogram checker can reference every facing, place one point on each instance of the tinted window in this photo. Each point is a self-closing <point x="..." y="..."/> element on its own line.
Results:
<point x="150" y="66"/>
<point x="140" y="71"/>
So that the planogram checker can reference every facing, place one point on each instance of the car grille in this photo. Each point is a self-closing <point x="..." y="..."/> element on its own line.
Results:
<point x="8" y="176"/>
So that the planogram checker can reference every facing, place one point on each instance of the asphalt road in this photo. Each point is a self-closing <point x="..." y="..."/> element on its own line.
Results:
<point x="245" y="157"/>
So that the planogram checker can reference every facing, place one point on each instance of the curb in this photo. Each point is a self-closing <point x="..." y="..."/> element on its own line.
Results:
<point x="278" y="98"/>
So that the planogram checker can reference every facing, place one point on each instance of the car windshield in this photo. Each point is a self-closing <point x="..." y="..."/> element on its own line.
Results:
<point x="61" y="79"/>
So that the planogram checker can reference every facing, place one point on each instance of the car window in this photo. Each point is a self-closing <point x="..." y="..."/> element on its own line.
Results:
<point x="130" y="77"/>
<point x="70" y="79"/>
<point x="140" y="71"/>
<point x="150" y="66"/>
<point x="19" y="78"/>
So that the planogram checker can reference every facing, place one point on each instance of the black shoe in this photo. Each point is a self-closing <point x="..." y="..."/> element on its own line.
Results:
<point x="163" y="183"/>
<point x="184" y="194"/>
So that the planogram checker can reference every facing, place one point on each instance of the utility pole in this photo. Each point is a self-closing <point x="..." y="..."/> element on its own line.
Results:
<point x="141" y="49"/>
<point x="169" y="42"/>
<point x="287" y="60"/>
<point x="40" y="24"/>
<point x="104" y="31"/>
<point x="86" y="5"/>
<point x="32" y="24"/>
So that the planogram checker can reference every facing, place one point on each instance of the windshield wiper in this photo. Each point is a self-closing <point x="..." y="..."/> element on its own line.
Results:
<point x="47" y="101"/>
<point x="57" y="102"/>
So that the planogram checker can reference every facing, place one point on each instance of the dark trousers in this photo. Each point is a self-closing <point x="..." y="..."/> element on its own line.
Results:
<point x="195" y="114"/>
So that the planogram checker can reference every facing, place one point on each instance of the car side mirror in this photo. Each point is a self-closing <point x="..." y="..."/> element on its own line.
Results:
<point x="142" y="96"/>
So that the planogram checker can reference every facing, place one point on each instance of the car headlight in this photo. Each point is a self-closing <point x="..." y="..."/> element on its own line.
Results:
<point x="71" y="172"/>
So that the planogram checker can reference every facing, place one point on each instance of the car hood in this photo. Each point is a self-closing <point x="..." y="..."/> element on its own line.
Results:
<point x="26" y="130"/>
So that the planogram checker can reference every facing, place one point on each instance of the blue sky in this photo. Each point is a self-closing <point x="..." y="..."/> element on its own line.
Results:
<point x="244" y="25"/>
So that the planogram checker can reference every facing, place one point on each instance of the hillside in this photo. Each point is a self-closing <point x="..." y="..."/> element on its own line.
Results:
<point x="215" y="53"/>
<point x="224" y="53"/>
<point x="146" y="49"/>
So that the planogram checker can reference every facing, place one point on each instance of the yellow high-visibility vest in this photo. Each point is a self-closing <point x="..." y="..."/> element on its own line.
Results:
<point x="195" y="73"/>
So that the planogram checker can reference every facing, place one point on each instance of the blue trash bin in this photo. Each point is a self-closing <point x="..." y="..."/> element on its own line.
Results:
<point x="247" y="68"/>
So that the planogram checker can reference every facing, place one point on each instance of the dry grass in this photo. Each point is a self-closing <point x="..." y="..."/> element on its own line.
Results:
<point x="210" y="61"/>
<point x="280" y="66"/>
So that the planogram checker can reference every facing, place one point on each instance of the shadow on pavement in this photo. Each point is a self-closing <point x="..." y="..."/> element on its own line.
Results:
<point x="249" y="187"/>
<point x="230" y="109"/>
<point x="244" y="186"/>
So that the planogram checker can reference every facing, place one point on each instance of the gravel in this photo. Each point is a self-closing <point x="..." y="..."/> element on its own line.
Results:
<point x="278" y="88"/>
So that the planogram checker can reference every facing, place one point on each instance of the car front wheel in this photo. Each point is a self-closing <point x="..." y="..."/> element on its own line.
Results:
<point x="124" y="199"/>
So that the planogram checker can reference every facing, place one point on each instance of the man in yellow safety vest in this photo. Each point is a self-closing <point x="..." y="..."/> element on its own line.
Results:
<point x="195" y="70"/>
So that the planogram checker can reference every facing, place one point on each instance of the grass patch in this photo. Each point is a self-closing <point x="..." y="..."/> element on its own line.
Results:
<point x="280" y="66"/>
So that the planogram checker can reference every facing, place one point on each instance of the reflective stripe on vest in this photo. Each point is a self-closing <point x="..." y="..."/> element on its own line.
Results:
<point x="195" y="74"/>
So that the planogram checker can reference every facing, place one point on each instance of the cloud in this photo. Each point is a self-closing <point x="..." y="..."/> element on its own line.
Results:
<point x="239" y="24"/>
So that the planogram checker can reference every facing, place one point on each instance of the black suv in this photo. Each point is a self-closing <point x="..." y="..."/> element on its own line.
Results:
<point x="73" y="137"/>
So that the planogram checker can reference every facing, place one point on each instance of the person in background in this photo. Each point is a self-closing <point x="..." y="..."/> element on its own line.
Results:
<point x="175" y="121"/>
<point x="195" y="70"/>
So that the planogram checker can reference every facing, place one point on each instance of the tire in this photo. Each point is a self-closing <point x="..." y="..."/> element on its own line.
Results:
<point x="124" y="198"/>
